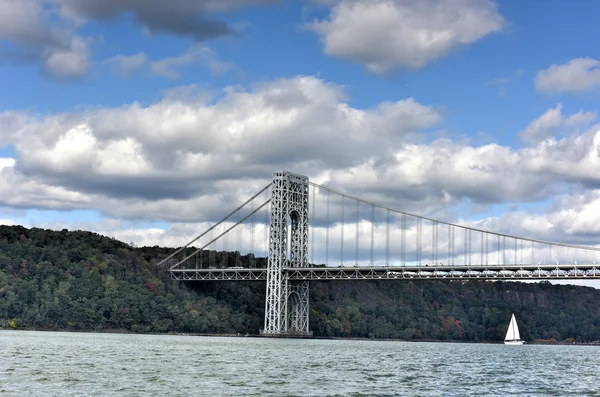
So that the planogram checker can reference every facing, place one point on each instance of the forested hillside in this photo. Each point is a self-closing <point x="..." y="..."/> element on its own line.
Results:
<point x="78" y="280"/>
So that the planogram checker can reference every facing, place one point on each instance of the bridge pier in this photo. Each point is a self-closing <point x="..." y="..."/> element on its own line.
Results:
<point x="286" y="305"/>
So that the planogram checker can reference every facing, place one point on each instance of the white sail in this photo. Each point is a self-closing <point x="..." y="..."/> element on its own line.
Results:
<point x="513" y="330"/>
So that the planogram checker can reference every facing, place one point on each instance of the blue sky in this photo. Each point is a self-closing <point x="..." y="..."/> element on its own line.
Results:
<point x="145" y="123"/>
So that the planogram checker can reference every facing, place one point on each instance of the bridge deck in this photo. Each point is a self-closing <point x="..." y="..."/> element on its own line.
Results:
<point x="504" y="272"/>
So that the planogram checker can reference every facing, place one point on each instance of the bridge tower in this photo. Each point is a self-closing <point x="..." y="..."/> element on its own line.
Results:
<point x="286" y="307"/>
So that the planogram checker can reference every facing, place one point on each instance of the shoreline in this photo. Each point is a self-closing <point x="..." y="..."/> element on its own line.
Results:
<point x="124" y="332"/>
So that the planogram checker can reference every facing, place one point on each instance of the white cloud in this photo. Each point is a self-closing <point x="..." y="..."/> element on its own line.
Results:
<point x="46" y="31"/>
<point x="21" y="21"/>
<point x="169" y="154"/>
<point x="20" y="191"/>
<point x="552" y="120"/>
<point x="387" y="35"/>
<point x="576" y="76"/>
<point x="579" y="214"/>
<point x="182" y="17"/>
<point x="192" y="158"/>
<point x="43" y="34"/>
<point x="423" y="173"/>
<point x="10" y="122"/>
<point x="126" y="65"/>
<point x="204" y="55"/>
<point x="6" y="162"/>
<point x="69" y="62"/>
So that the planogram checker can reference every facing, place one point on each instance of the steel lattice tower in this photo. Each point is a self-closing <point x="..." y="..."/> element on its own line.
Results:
<point x="286" y="307"/>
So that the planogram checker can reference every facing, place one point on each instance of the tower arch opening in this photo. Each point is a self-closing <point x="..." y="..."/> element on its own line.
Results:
<point x="293" y="222"/>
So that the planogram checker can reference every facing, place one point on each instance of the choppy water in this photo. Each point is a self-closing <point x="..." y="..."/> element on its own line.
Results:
<point x="82" y="364"/>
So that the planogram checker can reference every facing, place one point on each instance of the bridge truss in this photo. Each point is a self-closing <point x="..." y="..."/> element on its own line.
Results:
<point x="312" y="232"/>
<point x="515" y="272"/>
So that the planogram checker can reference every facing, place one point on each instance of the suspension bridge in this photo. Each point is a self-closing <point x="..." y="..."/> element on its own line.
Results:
<point x="311" y="232"/>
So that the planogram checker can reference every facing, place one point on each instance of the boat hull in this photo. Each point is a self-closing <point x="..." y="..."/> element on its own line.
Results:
<point x="513" y="342"/>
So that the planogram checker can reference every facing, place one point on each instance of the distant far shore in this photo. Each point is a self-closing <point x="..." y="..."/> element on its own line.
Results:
<point x="230" y="335"/>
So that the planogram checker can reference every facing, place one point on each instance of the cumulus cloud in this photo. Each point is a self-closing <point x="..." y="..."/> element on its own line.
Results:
<point x="485" y="174"/>
<point x="576" y="76"/>
<point x="552" y="120"/>
<point x="174" y="150"/>
<point x="46" y="31"/>
<point x="192" y="158"/>
<point x="182" y="17"/>
<point x="69" y="62"/>
<point x="570" y="218"/>
<point x="388" y="35"/>
<point x="449" y="171"/>
<point x="20" y="191"/>
<point x="126" y="65"/>
<point x="21" y="22"/>
<point x="42" y="34"/>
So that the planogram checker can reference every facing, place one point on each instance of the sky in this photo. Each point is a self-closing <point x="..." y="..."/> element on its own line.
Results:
<point x="148" y="120"/>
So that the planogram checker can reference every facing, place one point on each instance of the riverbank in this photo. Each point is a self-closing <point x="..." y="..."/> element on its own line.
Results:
<point x="232" y="335"/>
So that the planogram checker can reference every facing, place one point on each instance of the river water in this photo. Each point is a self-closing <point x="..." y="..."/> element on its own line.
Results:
<point x="88" y="364"/>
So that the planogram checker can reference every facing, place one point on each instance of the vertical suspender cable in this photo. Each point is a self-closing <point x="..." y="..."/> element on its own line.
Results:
<point x="437" y="241"/>
<point x="387" y="240"/>
<point x="238" y="242"/>
<point x="403" y="240"/>
<point x="487" y="249"/>
<point x="225" y="253"/>
<point x="432" y="243"/>
<point x="448" y="258"/>
<point x="327" y="232"/>
<point x="470" y="247"/>
<point x="452" y="229"/>
<point x="372" y="234"/>
<point x="342" y="235"/>
<point x="357" y="233"/>
<point x="466" y="251"/>
<point x="252" y="230"/>
<point x="521" y="253"/>
<point x="499" y="250"/>
<point x="481" y="250"/>
<point x="211" y="253"/>
<point x="419" y="239"/>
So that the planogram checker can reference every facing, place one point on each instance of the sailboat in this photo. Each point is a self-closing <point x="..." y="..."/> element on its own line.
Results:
<point x="512" y="335"/>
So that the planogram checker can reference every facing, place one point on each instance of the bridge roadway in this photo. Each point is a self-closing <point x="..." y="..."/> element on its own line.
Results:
<point x="499" y="272"/>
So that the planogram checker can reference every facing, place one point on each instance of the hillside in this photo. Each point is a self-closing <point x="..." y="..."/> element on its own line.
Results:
<point x="64" y="280"/>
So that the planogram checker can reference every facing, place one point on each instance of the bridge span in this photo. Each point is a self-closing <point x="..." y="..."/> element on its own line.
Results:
<point x="374" y="242"/>
<point x="490" y="272"/>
